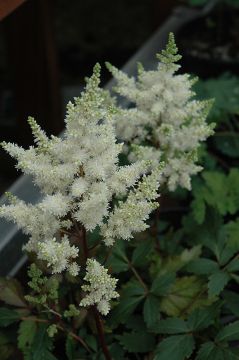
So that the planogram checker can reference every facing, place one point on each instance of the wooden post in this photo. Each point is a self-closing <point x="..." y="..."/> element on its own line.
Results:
<point x="33" y="63"/>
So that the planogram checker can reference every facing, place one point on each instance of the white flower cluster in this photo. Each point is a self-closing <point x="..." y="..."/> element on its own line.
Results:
<point x="165" y="117"/>
<point x="101" y="288"/>
<point x="79" y="177"/>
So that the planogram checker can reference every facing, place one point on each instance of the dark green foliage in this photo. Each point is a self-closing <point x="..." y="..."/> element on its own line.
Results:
<point x="177" y="347"/>
<point x="137" y="342"/>
<point x="41" y="345"/>
<point x="8" y="317"/>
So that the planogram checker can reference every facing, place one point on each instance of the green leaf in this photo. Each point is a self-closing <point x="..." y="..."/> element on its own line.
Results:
<point x="219" y="191"/>
<point x="118" y="261"/>
<point x="229" y="332"/>
<point x="92" y="342"/>
<point x="6" y="348"/>
<point x="232" y="233"/>
<point x="227" y="144"/>
<point x="224" y="90"/>
<point x="141" y="253"/>
<point x="162" y="283"/>
<point x="173" y="264"/>
<point x="137" y="342"/>
<point x="209" y="351"/>
<point x="231" y="301"/>
<point x="131" y="296"/>
<point x="198" y="207"/>
<point x="8" y="317"/>
<point x="178" y="347"/>
<point x="200" y="319"/>
<point x="217" y="282"/>
<point x="41" y="346"/>
<point x="151" y="310"/>
<point x="171" y="326"/>
<point x="11" y="292"/>
<point x="202" y="266"/>
<point x="187" y="294"/>
<point x="233" y="265"/>
<point x="117" y="352"/>
<point x="70" y="348"/>
<point x="135" y="322"/>
<point x="26" y="333"/>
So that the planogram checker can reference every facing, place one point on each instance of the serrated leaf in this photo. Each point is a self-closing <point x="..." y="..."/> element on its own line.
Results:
<point x="233" y="265"/>
<point x="209" y="351"/>
<point x="26" y="333"/>
<point x="117" y="352"/>
<point x="217" y="282"/>
<point x="11" y="292"/>
<point x="187" y="294"/>
<point x="118" y="261"/>
<point x="200" y="319"/>
<point x="231" y="301"/>
<point x="171" y="326"/>
<point x="70" y="348"/>
<point x="232" y="231"/>
<point x="198" y="207"/>
<point x="151" y="310"/>
<point x="224" y="89"/>
<point x="131" y="296"/>
<point x="218" y="191"/>
<point x="8" y="317"/>
<point x="202" y="266"/>
<point x="162" y="283"/>
<point x="137" y="342"/>
<point x="132" y="288"/>
<point x="189" y="255"/>
<point x="229" y="332"/>
<point x="141" y="252"/>
<point x="178" y="347"/>
<point x="173" y="264"/>
<point x="6" y="348"/>
<point x="41" y="346"/>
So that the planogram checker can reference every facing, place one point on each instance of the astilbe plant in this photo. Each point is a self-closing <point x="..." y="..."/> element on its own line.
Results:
<point x="92" y="205"/>
<point x="83" y="188"/>
<point x="165" y="122"/>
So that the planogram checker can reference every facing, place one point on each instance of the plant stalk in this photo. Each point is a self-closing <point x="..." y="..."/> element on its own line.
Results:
<point x="100" y="330"/>
<point x="98" y="321"/>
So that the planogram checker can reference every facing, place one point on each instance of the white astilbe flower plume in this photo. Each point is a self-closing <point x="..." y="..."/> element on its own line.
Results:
<point x="57" y="255"/>
<point x="101" y="287"/>
<point x="81" y="180"/>
<point x="165" y="117"/>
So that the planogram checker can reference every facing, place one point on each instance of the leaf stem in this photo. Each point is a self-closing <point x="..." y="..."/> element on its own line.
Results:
<point x="138" y="277"/>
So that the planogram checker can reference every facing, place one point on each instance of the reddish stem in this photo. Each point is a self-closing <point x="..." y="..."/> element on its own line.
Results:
<point x="100" y="330"/>
<point x="98" y="321"/>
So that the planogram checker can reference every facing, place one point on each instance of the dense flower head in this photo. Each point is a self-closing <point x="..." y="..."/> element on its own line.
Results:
<point x="79" y="176"/>
<point x="165" y="117"/>
<point x="101" y="287"/>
